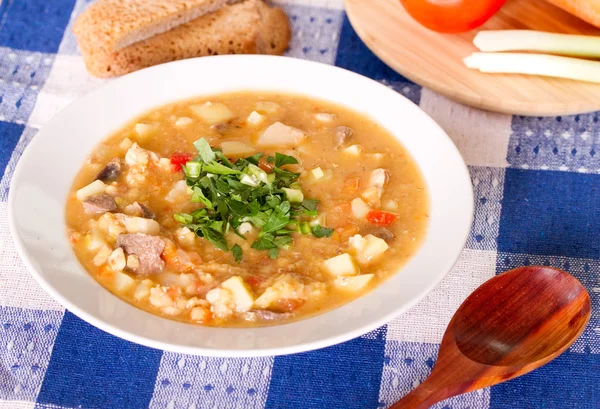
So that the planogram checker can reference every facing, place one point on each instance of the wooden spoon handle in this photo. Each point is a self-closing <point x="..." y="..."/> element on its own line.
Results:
<point x="424" y="396"/>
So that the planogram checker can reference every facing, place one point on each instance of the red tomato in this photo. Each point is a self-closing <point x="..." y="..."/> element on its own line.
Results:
<point x="381" y="218"/>
<point x="179" y="159"/>
<point x="452" y="16"/>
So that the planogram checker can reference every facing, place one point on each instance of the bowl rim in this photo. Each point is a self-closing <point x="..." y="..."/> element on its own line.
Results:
<point x="461" y="237"/>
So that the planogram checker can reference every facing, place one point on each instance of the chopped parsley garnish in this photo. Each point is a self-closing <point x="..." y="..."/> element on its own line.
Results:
<point x="242" y="192"/>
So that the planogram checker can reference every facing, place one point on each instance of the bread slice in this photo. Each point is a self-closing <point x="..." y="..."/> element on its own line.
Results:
<point x="587" y="10"/>
<point x="250" y="27"/>
<point x="114" y="24"/>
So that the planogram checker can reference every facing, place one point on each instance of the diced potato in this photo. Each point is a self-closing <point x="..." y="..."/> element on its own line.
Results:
<point x="245" y="228"/>
<point x="179" y="192"/>
<point x="280" y="134"/>
<point x="354" y="284"/>
<point x="212" y="112"/>
<point x="159" y="297"/>
<point x="95" y="188"/>
<point x="242" y="295"/>
<point x="341" y="265"/>
<point x="123" y="282"/>
<point x="133" y="261"/>
<point x="317" y="173"/>
<point x="95" y="240"/>
<point x="286" y="287"/>
<point x="359" y="208"/>
<point x="368" y="248"/>
<point x="236" y="148"/>
<point x="165" y="163"/>
<point x="379" y="178"/>
<point x="390" y="205"/>
<point x="102" y="256"/>
<point x="353" y="150"/>
<point x="185" y="236"/>
<point x="125" y="144"/>
<point x="143" y="289"/>
<point x="322" y="117"/>
<point x="267" y="107"/>
<point x="372" y="195"/>
<point x="116" y="260"/>
<point x="144" y="130"/>
<point x="141" y="225"/>
<point x="255" y="118"/>
<point x="183" y="121"/>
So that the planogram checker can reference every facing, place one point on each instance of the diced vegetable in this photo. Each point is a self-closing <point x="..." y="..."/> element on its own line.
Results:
<point x="341" y="265"/>
<point x="317" y="173"/>
<point x="353" y="150"/>
<point x="178" y="159"/>
<point x="193" y="169"/>
<point x="260" y="174"/>
<point x="379" y="178"/>
<point x="185" y="236"/>
<point x="381" y="218"/>
<point x="372" y="195"/>
<point x="144" y="130"/>
<point x="95" y="240"/>
<point x="535" y="64"/>
<point x="530" y="40"/>
<point x="322" y="117"/>
<point x="117" y="260"/>
<point x="354" y="284"/>
<point x="102" y="256"/>
<point x="359" y="208"/>
<point x="141" y="225"/>
<point x="94" y="188"/>
<point x="286" y="287"/>
<point x="123" y="282"/>
<point x="267" y="107"/>
<point x="255" y="118"/>
<point x="279" y="134"/>
<point x="294" y="195"/>
<point x="368" y="248"/>
<point x="390" y="205"/>
<point x="136" y="156"/>
<point x="200" y="314"/>
<point x="183" y="121"/>
<point x="250" y="180"/>
<point x="242" y="294"/>
<point x="126" y="144"/>
<point x="212" y="112"/>
<point x="133" y="262"/>
<point x="143" y="289"/>
<point x="178" y="192"/>
<point x="245" y="228"/>
<point x="236" y="148"/>
<point x="221" y="299"/>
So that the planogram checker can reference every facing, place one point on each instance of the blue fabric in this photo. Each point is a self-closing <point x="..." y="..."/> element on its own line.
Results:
<point x="536" y="203"/>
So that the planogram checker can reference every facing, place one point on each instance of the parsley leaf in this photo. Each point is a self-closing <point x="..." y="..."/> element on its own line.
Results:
<point x="282" y="160"/>
<point x="237" y="252"/>
<point x="198" y="197"/>
<point x="273" y="253"/>
<point x="255" y="158"/>
<point x="277" y="220"/>
<point x="217" y="239"/>
<point x="205" y="152"/>
<point x="320" y="231"/>
<point x="217" y="169"/>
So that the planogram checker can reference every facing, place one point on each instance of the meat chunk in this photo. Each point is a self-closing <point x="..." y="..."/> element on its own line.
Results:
<point x="140" y="210"/>
<point x="99" y="204"/>
<point x="342" y="135"/>
<point x="382" y="233"/>
<point x="148" y="250"/>
<point x="111" y="171"/>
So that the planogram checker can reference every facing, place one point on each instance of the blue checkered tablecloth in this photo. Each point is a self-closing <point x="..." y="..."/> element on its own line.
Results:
<point x="537" y="190"/>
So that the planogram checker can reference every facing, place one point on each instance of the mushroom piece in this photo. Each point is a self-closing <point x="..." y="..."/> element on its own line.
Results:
<point x="342" y="135"/>
<point x="111" y="171"/>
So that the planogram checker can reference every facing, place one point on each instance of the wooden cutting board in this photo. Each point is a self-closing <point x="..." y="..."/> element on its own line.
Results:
<point x="434" y="60"/>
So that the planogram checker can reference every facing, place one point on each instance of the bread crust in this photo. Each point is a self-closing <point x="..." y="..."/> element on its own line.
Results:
<point x="587" y="10"/>
<point x="250" y="27"/>
<point x="115" y="24"/>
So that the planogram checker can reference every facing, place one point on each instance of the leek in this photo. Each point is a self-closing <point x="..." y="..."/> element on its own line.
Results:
<point x="530" y="40"/>
<point x="535" y="64"/>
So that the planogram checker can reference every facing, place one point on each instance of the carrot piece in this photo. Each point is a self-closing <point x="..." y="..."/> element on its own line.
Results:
<point x="351" y="185"/>
<point x="381" y="218"/>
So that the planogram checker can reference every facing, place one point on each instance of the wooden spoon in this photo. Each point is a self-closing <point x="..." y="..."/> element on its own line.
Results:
<point x="514" y="323"/>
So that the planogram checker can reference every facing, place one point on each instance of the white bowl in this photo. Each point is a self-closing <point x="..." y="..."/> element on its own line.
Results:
<point x="46" y="170"/>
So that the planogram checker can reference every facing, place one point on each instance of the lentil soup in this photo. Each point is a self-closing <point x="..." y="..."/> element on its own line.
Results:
<point x="246" y="209"/>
